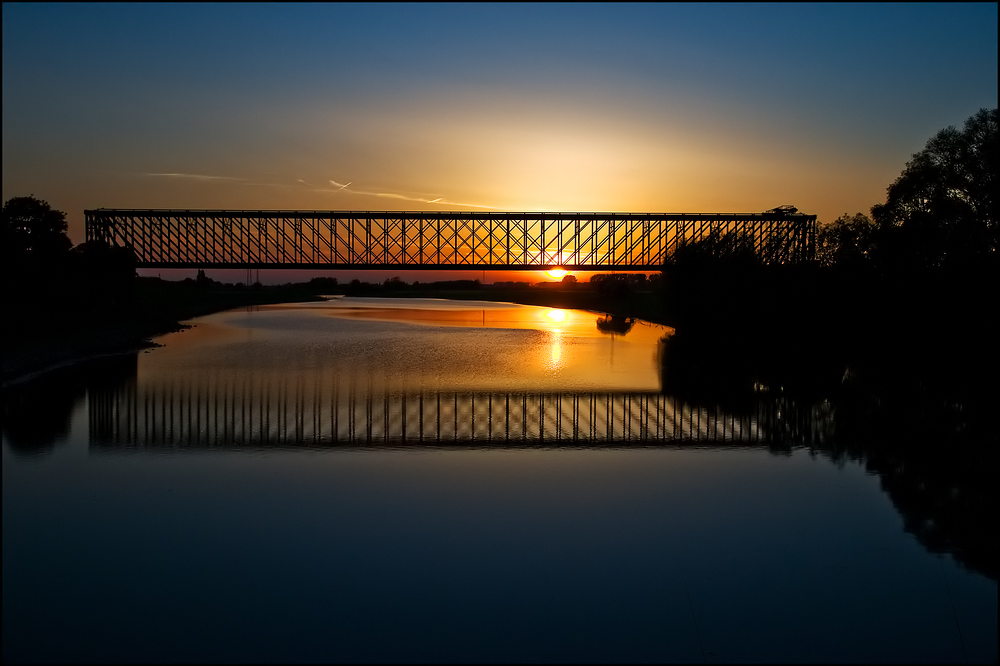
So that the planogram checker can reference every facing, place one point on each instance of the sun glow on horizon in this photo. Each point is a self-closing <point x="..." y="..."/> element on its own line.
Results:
<point x="557" y="273"/>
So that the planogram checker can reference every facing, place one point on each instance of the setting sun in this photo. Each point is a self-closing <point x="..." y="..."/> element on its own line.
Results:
<point x="557" y="273"/>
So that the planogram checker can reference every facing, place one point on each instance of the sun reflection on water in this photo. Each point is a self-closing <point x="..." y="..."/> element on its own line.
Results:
<point x="557" y="315"/>
<point x="555" y="351"/>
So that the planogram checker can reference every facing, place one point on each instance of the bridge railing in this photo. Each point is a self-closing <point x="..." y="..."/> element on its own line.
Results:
<point x="450" y="240"/>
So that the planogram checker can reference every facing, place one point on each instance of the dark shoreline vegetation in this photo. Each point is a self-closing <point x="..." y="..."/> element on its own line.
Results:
<point x="79" y="324"/>
<point x="882" y="350"/>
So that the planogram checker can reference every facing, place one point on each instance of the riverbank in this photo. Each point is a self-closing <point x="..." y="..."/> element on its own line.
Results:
<point x="38" y="346"/>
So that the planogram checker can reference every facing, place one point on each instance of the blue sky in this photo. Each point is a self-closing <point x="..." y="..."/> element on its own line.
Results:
<point x="688" y="108"/>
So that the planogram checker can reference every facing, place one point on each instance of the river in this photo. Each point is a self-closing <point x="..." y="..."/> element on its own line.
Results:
<point x="424" y="480"/>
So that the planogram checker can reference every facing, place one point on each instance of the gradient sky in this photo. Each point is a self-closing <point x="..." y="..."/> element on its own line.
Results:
<point x="666" y="108"/>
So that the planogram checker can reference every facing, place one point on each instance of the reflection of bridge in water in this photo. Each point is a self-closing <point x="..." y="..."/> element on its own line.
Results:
<point x="437" y="240"/>
<point x="181" y="414"/>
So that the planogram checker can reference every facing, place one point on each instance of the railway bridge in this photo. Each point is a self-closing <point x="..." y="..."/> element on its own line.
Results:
<point x="437" y="240"/>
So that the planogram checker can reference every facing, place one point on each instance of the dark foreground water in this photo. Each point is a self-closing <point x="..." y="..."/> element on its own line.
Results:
<point x="447" y="482"/>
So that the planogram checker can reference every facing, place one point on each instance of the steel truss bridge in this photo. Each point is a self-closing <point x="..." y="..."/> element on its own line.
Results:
<point x="436" y="240"/>
<point x="180" y="414"/>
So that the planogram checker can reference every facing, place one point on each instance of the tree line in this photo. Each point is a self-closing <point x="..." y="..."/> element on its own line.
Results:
<point x="48" y="282"/>
<point x="940" y="214"/>
<point x="910" y="287"/>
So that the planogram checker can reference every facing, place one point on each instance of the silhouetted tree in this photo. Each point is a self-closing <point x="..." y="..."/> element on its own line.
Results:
<point x="394" y="283"/>
<point x="941" y="211"/>
<point x="104" y="277"/>
<point x="617" y="285"/>
<point x="33" y="261"/>
<point x="203" y="280"/>
<point x="623" y="278"/>
<point x="320" y="284"/>
<point x="613" y="325"/>
<point x="31" y="231"/>
<point x="717" y="250"/>
<point x="711" y="279"/>
<point x="847" y="241"/>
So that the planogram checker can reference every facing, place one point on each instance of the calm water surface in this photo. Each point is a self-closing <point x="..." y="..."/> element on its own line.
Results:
<point x="379" y="479"/>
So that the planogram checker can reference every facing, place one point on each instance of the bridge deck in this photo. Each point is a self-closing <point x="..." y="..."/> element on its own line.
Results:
<point x="435" y="240"/>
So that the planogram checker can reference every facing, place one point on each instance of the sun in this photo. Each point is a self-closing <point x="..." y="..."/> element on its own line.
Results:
<point x="557" y="273"/>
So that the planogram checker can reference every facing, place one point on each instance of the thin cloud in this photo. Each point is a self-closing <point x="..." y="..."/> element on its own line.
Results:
<point x="343" y="187"/>
<point x="192" y="176"/>
<point x="339" y="187"/>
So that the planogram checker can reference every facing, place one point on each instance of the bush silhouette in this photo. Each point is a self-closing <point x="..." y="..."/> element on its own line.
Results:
<point x="31" y="232"/>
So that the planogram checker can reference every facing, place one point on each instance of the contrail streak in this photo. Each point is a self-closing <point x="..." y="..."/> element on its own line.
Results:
<point x="193" y="176"/>
<point x="343" y="187"/>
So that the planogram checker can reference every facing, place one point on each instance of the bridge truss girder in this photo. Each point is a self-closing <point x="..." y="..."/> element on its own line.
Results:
<point x="435" y="240"/>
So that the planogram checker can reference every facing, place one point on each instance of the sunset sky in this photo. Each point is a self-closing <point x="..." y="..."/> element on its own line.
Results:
<point x="643" y="108"/>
